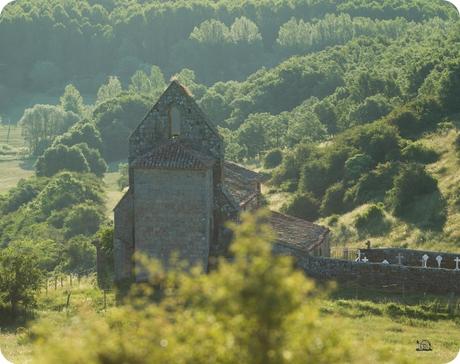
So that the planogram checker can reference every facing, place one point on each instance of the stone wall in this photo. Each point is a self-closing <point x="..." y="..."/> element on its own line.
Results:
<point x="123" y="237"/>
<point x="410" y="257"/>
<point x="173" y="212"/>
<point x="379" y="276"/>
<point x="194" y="125"/>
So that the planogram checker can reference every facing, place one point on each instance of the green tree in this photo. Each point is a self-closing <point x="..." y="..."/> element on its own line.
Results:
<point x="20" y="278"/>
<point x="80" y="255"/>
<point x="449" y="84"/>
<point x="59" y="158"/>
<point x="244" y="30"/>
<point x="110" y="90"/>
<point x="211" y="32"/>
<point x="157" y="79"/>
<point x="83" y="219"/>
<point x="82" y="132"/>
<point x="72" y="101"/>
<point x="140" y="83"/>
<point x="304" y="206"/>
<point x="42" y="123"/>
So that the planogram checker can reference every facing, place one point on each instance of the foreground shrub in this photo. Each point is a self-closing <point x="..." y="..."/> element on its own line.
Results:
<point x="255" y="309"/>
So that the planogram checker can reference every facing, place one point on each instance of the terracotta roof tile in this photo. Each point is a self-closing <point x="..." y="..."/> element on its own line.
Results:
<point x="241" y="182"/>
<point x="297" y="232"/>
<point x="173" y="155"/>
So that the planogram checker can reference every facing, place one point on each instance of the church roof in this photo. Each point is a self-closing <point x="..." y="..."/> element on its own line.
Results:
<point x="241" y="182"/>
<point x="173" y="155"/>
<point x="297" y="233"/>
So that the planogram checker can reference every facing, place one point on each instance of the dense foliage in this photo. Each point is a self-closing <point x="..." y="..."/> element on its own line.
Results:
<point x="46" y="44"/>
<point x="54" y="218"/>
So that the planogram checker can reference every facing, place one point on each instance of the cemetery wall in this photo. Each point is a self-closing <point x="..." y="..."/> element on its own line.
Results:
<point x="409" y="257"/>
<point x="386" y="276"/>
<point x="380" y="276"/>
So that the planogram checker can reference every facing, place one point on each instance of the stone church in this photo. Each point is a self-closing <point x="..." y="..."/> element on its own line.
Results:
<point x="182" y="192"/>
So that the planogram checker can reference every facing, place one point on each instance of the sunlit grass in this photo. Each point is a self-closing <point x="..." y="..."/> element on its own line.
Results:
<point x="112" y="191"/>
<point x="11" y="172"/>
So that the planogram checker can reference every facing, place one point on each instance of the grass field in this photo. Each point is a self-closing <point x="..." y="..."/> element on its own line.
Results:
<point x="112" y="191"/>
<point x="12" y="171"/>
<point x="372" y="320"/>
<point x="11" y="135"/>
<point x="52" y="307"/>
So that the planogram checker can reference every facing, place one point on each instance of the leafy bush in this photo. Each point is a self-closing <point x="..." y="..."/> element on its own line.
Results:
<point x="80" y="256"/>
<point x="416" y="117"/>
<point x="289" y="170"/>
<point x="67" y="189"/>
<point x="95" y="162"/>
<point x="83" y="132"/>
<point x="419" y="153"/>
<point x="449" y="84"/>
<point x="83" y="219"/>
<point x="273" y="158"/>
<point x="302" y="205"/>
<point x="59" y="158"/>
<point x="415" y="197"/>
<point x="25" y="191"/>
<point x="372" y="186"/>
<point x="105" y="270"/>
<point x="357" y="166"/>
<point x="77" y="158"/>
<point x="372" y="221"/>
<point x="332" y="202"/>
<point x="412" y="182"/>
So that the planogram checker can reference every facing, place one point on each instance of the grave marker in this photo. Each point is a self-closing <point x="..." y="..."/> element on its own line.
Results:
<point x="439" y="260"/>
<point x="456" y="260"/>
<point x="424" y="260"/>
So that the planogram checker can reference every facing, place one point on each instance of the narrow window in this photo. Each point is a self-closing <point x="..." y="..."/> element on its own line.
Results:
<point x="174" y="122"/>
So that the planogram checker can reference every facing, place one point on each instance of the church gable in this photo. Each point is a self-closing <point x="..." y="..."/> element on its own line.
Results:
<point x="175" y="116"/>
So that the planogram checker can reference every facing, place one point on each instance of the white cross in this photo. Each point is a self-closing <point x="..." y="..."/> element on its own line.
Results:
<point x="365" y="260"/>
<point x="424" y="260"/>
<point x="358" y="258"/>
<point x="456" y="260"/>
<point x="439" y="260"/>
<point x="399" y="257"/>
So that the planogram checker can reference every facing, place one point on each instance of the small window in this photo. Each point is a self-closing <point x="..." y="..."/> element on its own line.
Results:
<point x="174" y="122"/>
